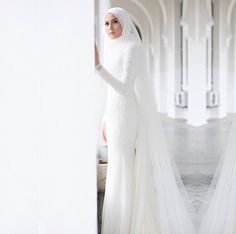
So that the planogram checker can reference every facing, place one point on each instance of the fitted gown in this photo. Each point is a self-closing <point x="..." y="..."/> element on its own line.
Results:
<point x="122" y="120"/>
<point x="121" y="130"/>
<point x="136" y="200"/>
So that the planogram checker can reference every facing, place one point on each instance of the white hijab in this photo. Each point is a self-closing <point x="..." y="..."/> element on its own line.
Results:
<point x="129" y="34"/>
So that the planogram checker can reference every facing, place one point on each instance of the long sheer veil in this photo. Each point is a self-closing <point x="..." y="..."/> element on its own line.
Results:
<point x="220" y="201"/>
<point x="156" y="171"/>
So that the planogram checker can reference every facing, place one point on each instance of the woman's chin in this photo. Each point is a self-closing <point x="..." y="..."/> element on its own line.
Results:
<point x="113" y="36"/>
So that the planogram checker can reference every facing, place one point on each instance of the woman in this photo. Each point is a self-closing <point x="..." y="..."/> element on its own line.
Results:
<point x="141" y="194"/>
<point x="220" y="217"/>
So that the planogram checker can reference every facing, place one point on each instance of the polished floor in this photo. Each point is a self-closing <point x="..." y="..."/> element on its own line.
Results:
<point x="197" y="151"/>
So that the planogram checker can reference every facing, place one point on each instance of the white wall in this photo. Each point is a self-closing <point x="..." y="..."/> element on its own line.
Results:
<point x="48" y="120"/>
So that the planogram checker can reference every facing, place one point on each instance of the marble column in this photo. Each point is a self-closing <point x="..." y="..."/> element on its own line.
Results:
<point x="196" y="22"/>
<point x="224" y="43"/>
<point x="209" y="84"/>
<point x="197" y="83"/>
<point x="170" y="63"/>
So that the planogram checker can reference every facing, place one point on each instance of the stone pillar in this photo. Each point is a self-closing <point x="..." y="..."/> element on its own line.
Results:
<point x="170" y="75"/>
<point x="196" y="22"/>
<point x="224" y="42"/>
<point x="223" y="82"/>
<point x="197" y="83"/>
<point x="184" y="64"/>
<point x="170" y="68"/>
<point x="209" y="63"/>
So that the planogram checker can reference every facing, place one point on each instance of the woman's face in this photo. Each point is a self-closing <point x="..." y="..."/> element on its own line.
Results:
<point x="112" y="26"/>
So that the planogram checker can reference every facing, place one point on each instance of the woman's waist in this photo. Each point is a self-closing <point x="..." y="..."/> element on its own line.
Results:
<point x="119" y="100"/>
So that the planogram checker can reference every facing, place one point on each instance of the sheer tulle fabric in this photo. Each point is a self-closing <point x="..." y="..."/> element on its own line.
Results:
<point x="155" y="161"/>
<point x="220" y="217"/>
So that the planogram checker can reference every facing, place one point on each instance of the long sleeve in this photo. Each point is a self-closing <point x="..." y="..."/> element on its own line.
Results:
<point x="129" y="72"/>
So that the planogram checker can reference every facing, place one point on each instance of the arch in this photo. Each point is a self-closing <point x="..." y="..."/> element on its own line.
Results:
<point x="209" y="23"/>
<point x="163" y="11"/>
<point x="143" y="8"/>
<point x="145" y="11"/>
<point x="140" y="7"/>
<point x="164" y="14"/>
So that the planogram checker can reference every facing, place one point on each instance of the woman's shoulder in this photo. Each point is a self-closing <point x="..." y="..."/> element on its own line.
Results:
<point x="134" y="48"/>
<point x="134" y="45"/>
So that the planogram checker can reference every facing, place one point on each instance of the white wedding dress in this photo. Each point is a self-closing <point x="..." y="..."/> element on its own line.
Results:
<point x="121" y="130"/>
<point x="141" y="194"/>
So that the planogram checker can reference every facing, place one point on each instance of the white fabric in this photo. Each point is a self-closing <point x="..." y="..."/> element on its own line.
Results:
<point x="220" y="217"/>
<point x="141" y="194"/>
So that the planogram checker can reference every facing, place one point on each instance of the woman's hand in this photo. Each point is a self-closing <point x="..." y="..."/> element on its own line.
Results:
<point x="104" y="136"/>
<point x="97" y="60"/>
